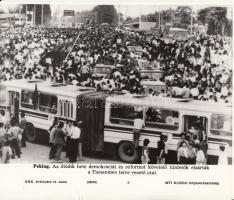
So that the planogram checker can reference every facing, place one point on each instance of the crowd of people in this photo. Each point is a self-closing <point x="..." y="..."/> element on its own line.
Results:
<point x="199" y="67"/>
<point x="12" y="136"/>
<point x="66" y="136"/>
<point x="62" y="137"/>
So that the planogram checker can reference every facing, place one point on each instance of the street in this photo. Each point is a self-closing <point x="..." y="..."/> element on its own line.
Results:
<point x="39" y="153"/>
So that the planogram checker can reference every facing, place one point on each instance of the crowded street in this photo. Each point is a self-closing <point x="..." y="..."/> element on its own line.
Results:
<point x="142" y="96"/>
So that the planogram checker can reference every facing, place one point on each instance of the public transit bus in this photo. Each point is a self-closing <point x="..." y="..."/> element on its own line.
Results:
<point x="176" y="116"/>
<point x="41" y="102"/>
<point x="108" y="118"/>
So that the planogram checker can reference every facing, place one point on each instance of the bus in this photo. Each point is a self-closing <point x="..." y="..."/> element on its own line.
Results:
<point x="108" y="118"/>
<point x="41" y="102"/>
<point x="176" y="116"/>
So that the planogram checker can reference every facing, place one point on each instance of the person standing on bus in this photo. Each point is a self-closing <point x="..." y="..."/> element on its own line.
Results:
<point x="59" y="140"/>
<point x="23" y="125"/>
<point x="145" y="152"/>
<point x="139" y="124"/>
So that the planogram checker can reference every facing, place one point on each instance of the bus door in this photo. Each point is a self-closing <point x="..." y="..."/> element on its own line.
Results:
<point x="14" y="104"/>
<point x="196" y="124"/>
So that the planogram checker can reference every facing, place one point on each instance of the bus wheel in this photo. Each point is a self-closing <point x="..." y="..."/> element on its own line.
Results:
<point x="31" y="133"/>
<point x="127" y="152"/>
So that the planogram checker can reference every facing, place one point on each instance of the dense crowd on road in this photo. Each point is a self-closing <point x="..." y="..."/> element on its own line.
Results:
<point x="198" y="68"/>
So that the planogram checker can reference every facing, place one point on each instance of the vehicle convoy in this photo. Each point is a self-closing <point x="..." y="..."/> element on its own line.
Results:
<point x="108" y="118"/>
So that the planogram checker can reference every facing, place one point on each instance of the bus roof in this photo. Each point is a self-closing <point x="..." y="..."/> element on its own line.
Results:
<point x="44" y="86"/>
<point x="172" y="103"/>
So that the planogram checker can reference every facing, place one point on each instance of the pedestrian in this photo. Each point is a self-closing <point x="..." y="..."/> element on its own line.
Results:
<point x="68" y="131"/>
<point x="15" y="135"/>
<point x="145" y="152"/>
<point x="191" y="153"/>
<point x="138" y="125"/>
<point x="6" y="152"/>
<point x="2" y="134"/>
<point x="80" y="141"/>
<point x="75" y="135"/>
<point x="223" y="160"/>
<point x="182" y="153"/>
<point x="59" y="141"/>
<point x="51" y="139"/>
<point x="161" y="150"/>
<point x="23" y="125"/>
<point x="200" y="158"/>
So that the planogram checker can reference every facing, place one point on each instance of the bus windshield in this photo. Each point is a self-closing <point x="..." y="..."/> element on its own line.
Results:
<point x="221" y="125"/>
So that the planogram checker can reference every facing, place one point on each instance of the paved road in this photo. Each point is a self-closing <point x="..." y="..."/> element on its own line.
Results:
<point x="38" y="153"/>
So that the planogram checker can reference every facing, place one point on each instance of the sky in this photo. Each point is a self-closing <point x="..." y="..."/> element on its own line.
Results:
<point x="127" y="10"/>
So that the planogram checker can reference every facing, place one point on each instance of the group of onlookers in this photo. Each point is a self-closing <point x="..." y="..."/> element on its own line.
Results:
<point x="65" y="137"/>
<point x="12" y="136"/>
<point x="191" y="150"/>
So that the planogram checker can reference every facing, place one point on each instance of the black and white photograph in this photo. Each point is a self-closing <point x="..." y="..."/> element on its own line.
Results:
<point x="116" y="84"/>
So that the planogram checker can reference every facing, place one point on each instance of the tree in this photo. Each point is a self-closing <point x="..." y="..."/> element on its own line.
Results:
<point x="216" y="18"/>
<point x="183" y="15"/>
<point x="106" y="14"/>
<point x="38" y="8"/>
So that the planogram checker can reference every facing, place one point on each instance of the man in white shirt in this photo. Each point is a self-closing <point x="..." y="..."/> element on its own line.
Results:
<point x="75" y="135"/>
<point x="138" y="125"/>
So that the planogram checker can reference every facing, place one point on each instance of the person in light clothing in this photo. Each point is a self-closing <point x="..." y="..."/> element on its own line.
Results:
<point x="145" y="152"/>
<point x="138" y="125"/>
<point x="75" y="135"/>
<point x="6" y="152"/>
<point x="223" y="160"/>
<point x="200" y="158"/>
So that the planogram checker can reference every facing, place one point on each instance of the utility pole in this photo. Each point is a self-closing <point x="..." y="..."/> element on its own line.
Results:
<point x="159" y="18"/>
<point x="26" y="13"/>
<point x="34" y="15"/>
<point x="19" y="14"/>
<point x="119" y="15"/>
<point x="191" y="25"/>
<point x="42" y="13"/>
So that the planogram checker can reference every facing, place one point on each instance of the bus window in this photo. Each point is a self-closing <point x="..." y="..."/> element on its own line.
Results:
<point x="48" y="103"/>
<point x="27" y="100"/>
<point x="123" y="114"/>
<point x="221" y="125"/>
<point x="66" y="109"/>
<point x="162" y="119"/>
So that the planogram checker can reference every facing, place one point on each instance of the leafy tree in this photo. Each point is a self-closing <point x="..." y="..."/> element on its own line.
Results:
<point x="216" y="18"/>
<point x="183" y="14"/>
<point x="128" y="19"/>
<point x="106" y="14"/>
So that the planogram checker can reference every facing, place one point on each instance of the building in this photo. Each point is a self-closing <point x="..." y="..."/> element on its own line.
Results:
<point x="85" y="17"/>
<point x="80" y="18"/>
<point x="12" y="19"/>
